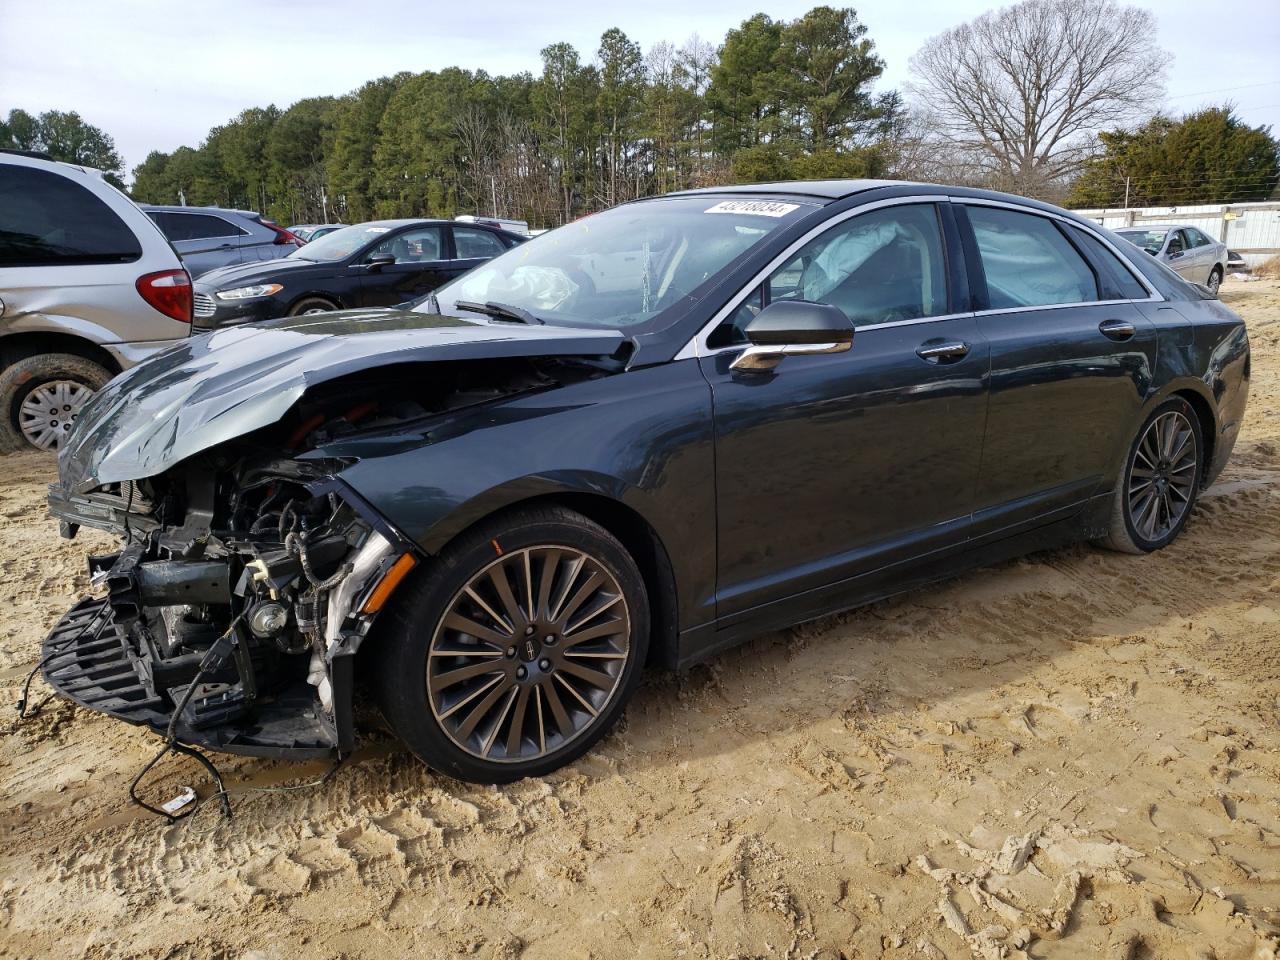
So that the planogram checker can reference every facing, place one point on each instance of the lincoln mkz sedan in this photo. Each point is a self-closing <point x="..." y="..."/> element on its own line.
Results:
<point x="630" y="442"/>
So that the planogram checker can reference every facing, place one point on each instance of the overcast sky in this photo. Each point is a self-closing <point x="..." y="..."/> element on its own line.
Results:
<point x="157" y="75"/>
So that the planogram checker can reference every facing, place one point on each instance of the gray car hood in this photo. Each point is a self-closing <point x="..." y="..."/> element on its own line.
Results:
<point x="218" y="386"/>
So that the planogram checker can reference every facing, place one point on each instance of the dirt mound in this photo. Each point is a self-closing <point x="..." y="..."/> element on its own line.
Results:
<point x="1072" y="755"/>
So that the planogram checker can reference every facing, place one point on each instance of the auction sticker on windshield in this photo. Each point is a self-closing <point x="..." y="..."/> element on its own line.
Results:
<point x="762" y="208"/>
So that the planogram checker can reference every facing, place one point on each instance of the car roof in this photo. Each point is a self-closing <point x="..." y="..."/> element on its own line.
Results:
<point x="1158" y="226"/>
<point x="809" y="189"/>
<point x="178" y="208"/>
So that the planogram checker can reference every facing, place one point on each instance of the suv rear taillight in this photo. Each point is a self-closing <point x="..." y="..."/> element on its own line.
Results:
<point x="282" y="235"/>
<point x="169" y="291"/>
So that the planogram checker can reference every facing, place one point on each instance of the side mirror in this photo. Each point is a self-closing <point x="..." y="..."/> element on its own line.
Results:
<point x="381" y="260"/>
<point x="788" y="327"/>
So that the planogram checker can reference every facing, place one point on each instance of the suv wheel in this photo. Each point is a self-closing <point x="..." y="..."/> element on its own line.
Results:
<point x="41" y="396"/>
<point x="517" y="649"/>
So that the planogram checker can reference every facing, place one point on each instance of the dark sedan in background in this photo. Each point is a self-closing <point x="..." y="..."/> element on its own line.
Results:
<point x="633" y="441"/>
<point x="376" y="264"/>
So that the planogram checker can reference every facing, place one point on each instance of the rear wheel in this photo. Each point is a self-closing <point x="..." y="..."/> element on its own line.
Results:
<point x="310" y="305"/>
<point x="41" y="396"/>
<point x="517" y="650"/>
<point x="1160" y="480"/>
<point x="1215" y="280"/>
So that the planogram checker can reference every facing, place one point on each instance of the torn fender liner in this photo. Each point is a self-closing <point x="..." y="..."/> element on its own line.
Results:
<point x="216" y="387"/>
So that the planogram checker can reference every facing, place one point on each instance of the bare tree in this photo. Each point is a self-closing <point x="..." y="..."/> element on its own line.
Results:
<point x="1022" y="90"/>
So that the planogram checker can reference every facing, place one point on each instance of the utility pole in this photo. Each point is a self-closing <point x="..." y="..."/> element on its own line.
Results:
<point x="1126" y="193"/>
<point x="493" y="191"/>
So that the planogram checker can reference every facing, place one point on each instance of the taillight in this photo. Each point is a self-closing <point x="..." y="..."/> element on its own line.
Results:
<point x="169" y="291"/>
<point x="282" y="235"/>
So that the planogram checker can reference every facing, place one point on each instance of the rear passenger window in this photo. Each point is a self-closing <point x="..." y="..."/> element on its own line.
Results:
<point x="48" y="220"/>
<point x="195" y="226"/>
<point x="1028" y="262"/>
<point x="476" y="243"/>
<point x="1119" y="273"/>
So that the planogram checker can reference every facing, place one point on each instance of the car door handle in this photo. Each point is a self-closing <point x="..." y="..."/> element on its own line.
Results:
<point x="943" y="352"/>
<point x="1117" y="329"/>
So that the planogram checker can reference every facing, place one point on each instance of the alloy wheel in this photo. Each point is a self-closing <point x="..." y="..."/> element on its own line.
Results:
<point x="528" y="653"/>
<point x="48" y="411"/>
<point x="1162" y="476"/>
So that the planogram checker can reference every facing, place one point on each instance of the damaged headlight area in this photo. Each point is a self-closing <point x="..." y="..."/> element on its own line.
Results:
<point x="258" y="581"/>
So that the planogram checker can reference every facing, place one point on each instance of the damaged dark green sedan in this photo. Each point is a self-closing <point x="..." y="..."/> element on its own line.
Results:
<point x="633" y="441"/>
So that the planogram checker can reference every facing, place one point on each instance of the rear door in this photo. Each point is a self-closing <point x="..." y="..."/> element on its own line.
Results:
<point x="422" y="263"/>
<point x="1071" y="361"/>
<point x="474" y="246"/>
<point x="838" y="465"/>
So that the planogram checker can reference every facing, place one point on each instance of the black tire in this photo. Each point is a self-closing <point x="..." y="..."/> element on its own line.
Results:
<point x="1130" y="534"/>
<point x="1215" y="280"/>
<point x="312" y="305"/>
<point x="21" y="379"/>
<point x="534" y="540"/>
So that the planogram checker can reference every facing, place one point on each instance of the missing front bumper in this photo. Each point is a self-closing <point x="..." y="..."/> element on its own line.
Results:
<point x="92" y="660"/>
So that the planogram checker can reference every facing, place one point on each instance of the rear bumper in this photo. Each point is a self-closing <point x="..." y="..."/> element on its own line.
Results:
<point x="94" y="661"/>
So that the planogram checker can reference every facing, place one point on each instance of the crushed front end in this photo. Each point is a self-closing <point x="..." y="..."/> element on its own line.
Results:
<point x="259" y="578"/>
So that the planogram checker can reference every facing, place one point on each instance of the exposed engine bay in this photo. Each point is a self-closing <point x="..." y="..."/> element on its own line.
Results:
<point x="249" y="575"/>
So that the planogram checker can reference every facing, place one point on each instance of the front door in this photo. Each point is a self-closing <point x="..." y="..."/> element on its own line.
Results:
<point x="421" y="264"/>
<point x="1071" y="361"/>
<point x="834" y="465"/>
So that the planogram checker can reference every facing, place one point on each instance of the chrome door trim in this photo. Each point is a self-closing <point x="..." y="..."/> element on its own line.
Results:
<point x="767" y="356"/>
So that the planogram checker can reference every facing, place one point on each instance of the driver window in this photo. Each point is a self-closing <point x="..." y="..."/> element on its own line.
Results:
<point x="877" y="267"/>
<point x="412" y="246"/>
<point x="1176" y="244"/>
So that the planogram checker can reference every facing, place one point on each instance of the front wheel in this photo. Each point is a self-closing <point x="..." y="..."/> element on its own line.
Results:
<point x="1160" y="480"/>
<point x="517" y="649"/>
<point x="311" y="305"/>
<point x="1215" y="280"/>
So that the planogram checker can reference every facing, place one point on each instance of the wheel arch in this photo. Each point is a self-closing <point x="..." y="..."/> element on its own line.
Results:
<point x="316" y="295"/>
<point x="17" y="346"/>
<point x="1197" y="395"/>
<point x="641" y="541"/>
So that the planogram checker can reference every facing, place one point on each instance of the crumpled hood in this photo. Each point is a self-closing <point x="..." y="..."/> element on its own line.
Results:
<point x="218" y="386"/>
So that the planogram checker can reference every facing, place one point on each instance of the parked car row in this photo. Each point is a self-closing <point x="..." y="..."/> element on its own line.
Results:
<point x="91" y="283"/>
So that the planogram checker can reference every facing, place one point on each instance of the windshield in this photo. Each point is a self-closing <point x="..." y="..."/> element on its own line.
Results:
<point x="340" y="244"/>
<point x="624" y="266"/>
<point x="1149" y="240"/>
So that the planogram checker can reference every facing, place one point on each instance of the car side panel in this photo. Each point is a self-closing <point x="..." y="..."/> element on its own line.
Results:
<point x="641" y="438"/>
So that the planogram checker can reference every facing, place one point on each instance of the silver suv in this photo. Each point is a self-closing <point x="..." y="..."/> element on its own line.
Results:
<point x="88" y="287"/>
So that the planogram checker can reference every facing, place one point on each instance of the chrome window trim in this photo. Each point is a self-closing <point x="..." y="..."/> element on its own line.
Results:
<point x="697" y="345"/>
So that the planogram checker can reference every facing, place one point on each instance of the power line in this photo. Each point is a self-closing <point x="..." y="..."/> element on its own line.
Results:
<point x="1243" y="86"/>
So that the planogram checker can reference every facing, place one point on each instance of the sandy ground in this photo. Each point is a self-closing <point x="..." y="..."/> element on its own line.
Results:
<point x="1073" y="755"/>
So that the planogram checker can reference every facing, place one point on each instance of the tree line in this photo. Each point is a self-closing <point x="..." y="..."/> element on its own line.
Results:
<point x="1048" y="98"/>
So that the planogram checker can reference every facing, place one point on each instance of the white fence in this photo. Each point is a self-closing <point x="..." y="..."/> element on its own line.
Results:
<point x="1250" y="229"/>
